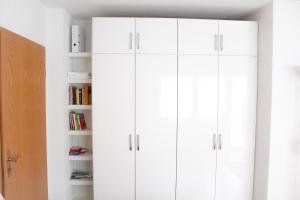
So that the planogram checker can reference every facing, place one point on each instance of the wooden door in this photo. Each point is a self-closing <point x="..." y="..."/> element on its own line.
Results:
<point x="113" y="126"/>
<point x="238" y="38"/>
<point x="23" y="118"/>
<point x="237" y="119"/>
<point x="198" y="36"/>
<point x="156" y="124"/>
<point x="156" y="36"/>
<point x="113" y="35"/>
<point x="197" y="126"/>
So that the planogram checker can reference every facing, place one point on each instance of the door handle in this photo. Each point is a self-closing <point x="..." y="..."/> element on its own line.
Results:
<point x="138" y="142"/>
<point x="130" y="142"/>
<point x="220" y="141"/>
<point x="214" y="145"/>
<point x="221" y="42"/>
<point x="216" y="42"/>
<point x="11" y="159"/>
<point x="130" y="40"/>
<point x="138" y="40"/>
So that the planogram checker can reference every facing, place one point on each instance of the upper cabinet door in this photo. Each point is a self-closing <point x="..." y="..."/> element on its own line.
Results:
<point x="156" y="36"/>
<point x="113" y="35"/>
<point x="238" y="38"/>
<point x="197" y="36"/>
<point x="237" y="119"/>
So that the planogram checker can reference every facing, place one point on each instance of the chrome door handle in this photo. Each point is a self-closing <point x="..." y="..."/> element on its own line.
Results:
<point x="11" y="159"/>
<point x="130" y="40"/>
<point x="221" y="42"/>
<point x="138" y="40"/>
<point x="130" y="142"/>
<point x="220" y="141"/>
<point x="214" y="145"/>
<point x="216" y="42"/>
<point x="138" y="142"/>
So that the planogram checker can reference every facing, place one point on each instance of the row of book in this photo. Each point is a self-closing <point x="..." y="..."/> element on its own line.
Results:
<point x="80" y="95"/>
<point x="78" y="174"/>
<point x="77" y="121"/>
<point x="77" y="150"/>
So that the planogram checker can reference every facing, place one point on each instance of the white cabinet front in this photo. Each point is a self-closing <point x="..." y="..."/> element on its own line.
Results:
<point x="113" y="126"/>
<point x="237" y="113"/>
<point x="156" y="36"/>
<point x="197" y="127"/>
<point x="113" y="35"/>
<point x="198" y="36"/>
<point x="238" y="38"/>
<point x="156" y="124"/>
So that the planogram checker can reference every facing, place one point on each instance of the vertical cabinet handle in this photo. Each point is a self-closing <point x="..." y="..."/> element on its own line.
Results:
<point x="221" y="42"/>
<point x="220" y="141"/>
<point x="138" y="40"/>
<point x="130" y="142"/>
<point x="130" y="41"/>
<point x="138" y="142"/>
<point x="216" y="42"/>
<point x="214" y="142"/>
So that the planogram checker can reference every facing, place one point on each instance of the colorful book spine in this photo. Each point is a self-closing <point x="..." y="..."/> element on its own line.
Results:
<point x="80" y="96"/>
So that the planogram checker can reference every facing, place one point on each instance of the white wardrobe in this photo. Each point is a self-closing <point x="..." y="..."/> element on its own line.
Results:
<point x="174" y="106"/>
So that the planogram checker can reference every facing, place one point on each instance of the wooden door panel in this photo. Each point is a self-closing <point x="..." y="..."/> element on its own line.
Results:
<point x="23" y="117"/>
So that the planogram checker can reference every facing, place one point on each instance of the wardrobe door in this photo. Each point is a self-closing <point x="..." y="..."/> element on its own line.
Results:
<point x="156" y="36"/>
<point x="238" y="38"/>
<point x="113" y="126"/>
<point x="237" y="119"/>
<point x="113" y="35"/>
<point x="198" y="36"/>
<point x="197" y="127"/>
<point x="156" y="122"/>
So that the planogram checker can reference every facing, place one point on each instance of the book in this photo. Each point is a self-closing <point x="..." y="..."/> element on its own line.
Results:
<point x="80" y="95"/>
<point x="77" y="121"/>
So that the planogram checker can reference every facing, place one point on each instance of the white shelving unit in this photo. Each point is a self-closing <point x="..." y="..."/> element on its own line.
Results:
<point x="81" y="182"/>
<point x="79" y="107"/>
<point x="82" y="189"/>
<point x="87" y="157"/>
<point x="80" y="133"/>
<point x="80" y="55"/>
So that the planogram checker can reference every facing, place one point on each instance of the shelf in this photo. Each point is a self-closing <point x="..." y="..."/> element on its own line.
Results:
<point x="80" y="55"/>
<point x="80" y="133"/>
<point x="74" y="81"/>
<point x="81" y="182"/>
<point x="84" y="157"/>
<point x="79" y="107"/>
<point x="81" y="198"/>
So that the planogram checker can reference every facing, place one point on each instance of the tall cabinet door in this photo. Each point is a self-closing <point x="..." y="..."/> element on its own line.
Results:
<point x="237" y="120"/>
<point x="113" y="126"/>
<point x="198" y="36"/>
<point x="238" y="38"/>
<point x="156" y="124"/>
<point x="113" y="35"/>
<point x="156" y="36"/>
<point x="197" y="127"/>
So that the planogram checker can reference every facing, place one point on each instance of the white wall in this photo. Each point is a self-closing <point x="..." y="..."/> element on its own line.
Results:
<point x="285" y="128"/>
<point x="57" y="43"/>
<point x="264" y="17"/>
<point x="50" y="28"/>
<point x="25" y="17"/>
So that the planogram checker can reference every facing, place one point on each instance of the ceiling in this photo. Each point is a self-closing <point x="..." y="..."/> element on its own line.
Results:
<point x="225" y="9"/>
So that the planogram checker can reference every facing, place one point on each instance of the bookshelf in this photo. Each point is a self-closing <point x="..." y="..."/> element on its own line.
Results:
<point x="82" y="189"/>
